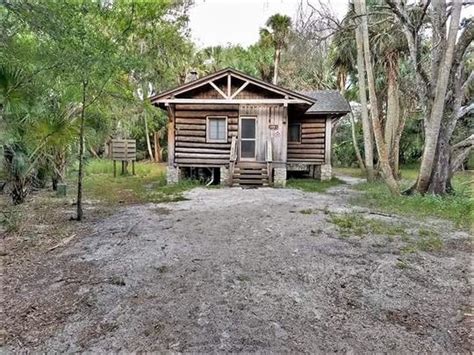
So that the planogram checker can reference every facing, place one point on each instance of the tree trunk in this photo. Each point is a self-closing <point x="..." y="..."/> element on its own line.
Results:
<point x="396" y="147"/>
<point x="81" y="153"/>
<point x="392" y="121"/>
<point x="440" y="178"/>
<point x="276" y="65"/>
<point x="356" y="146"/>
<point x="18" y="182"/>
<point x="459" y="153"/>
<point x="59" y="168"/>
<point x="374" y="108"/>
<point x="93" y="152"/>
<point x="156" y="137"/>
<point x="433" y="124"/>
<point x="366" y="127"/>
<point x="148" y="143"/>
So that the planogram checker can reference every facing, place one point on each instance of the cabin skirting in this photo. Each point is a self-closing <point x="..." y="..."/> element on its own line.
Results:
<point x="323" y="172"/>
<point x="224" y="175"/>
<point x="279" y="177"/>
<point x="173" y="174"/>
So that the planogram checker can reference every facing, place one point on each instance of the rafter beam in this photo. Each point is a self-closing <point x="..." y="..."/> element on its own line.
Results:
<point x="239" y="90"/>
<point x="218" y="90"/>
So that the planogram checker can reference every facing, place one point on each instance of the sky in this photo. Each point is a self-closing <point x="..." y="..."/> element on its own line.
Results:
<point x="219" y="22"/>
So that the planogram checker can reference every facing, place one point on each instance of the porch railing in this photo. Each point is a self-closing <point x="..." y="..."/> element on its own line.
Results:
<point x="232" y="159"/>
<point x="269" y="161"/>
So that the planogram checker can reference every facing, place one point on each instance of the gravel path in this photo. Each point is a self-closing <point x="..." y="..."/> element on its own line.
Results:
<point x="242" y="271"/>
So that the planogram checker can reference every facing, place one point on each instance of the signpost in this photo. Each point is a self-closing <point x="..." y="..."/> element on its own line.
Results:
<point x="124" y="150"/>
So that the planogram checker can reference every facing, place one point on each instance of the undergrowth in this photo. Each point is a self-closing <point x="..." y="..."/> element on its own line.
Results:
<point x="457" y="207"/>
<point x="421" y="239"/>
<point x="312" y="185"/>
<point x="147" y="185"/>
<point x="354" y="224"/>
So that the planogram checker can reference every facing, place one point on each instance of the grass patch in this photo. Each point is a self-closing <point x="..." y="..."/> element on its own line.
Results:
<point x="457" y="207"/>
<point x="402" y="264"/>
<point x="426" y="240"/>
<point x="312" y="185"/>
<point x="409" y="173"/>
<point x="147" y="185"/>
<point x="350" y="224"/>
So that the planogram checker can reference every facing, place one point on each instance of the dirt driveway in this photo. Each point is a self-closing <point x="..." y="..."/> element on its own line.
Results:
<point x="242" y="270"/>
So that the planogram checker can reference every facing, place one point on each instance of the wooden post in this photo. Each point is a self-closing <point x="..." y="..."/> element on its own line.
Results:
<point x="115" y="168"/>
<point x="123" y="167"/>
<point x="327" y="141"/>
<point x="133" y="167"/>
<point x="171" y="136"/>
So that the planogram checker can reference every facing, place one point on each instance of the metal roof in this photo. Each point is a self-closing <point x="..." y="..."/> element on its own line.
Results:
<point x="328" y="101"/>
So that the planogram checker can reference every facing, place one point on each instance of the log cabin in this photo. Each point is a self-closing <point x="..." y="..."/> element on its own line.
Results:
<point x="244" y="131"/>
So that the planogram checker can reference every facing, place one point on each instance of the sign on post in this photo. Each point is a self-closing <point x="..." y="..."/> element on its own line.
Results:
<point x="124" y="150"/>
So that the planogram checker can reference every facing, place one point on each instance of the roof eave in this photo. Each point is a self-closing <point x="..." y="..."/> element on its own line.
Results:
<point x="158" y="98"/>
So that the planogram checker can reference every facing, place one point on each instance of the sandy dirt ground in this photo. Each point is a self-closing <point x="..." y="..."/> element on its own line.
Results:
<point x="232" y="270"/>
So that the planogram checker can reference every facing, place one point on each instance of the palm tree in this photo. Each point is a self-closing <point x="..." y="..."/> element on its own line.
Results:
<point x="276" y="33"/>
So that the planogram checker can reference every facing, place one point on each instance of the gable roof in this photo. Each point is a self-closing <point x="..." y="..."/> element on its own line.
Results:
<point x="239" y="75"/>
<point x="328" y="101"/>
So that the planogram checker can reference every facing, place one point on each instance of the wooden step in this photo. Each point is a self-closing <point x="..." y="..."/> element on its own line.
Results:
<point x="264" y="184"/>
<point x="254" y="178"/>
<point x="253" y="183"/>
<point x="250" y="172"/>
<point x="251" y="166"/>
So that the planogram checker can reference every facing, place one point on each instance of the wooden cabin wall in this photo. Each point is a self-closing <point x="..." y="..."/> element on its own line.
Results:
<point x="271" y="126"/>
<point x="312" y="148"/>
<point x="191" y="148"/>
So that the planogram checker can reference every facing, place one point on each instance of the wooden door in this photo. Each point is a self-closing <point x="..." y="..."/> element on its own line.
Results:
<point x="248" y="138"/>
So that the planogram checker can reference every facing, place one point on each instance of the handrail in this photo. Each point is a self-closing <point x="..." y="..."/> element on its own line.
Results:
<point x="233" y="149"/>
<point x="232" y="159"/>
<point x="269" y="160"/>
<point x="269" y="152"/>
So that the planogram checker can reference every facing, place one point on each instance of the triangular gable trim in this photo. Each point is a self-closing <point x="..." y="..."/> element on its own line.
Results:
<point x="208" y="79"/>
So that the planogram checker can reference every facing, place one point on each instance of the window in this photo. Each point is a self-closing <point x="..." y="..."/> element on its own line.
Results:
<point x="217" y="129"/>
<point x="294" y="133"/>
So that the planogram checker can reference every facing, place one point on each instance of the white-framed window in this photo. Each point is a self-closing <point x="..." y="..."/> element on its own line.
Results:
<point x="294" y="132"/>
<point x="216" y="128"/>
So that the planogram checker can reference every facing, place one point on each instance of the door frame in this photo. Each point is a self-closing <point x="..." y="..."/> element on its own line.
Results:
<point x="254" y="118"/>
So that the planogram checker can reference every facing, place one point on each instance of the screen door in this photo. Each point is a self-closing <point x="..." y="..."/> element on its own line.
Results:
<point x="247" y="138"/>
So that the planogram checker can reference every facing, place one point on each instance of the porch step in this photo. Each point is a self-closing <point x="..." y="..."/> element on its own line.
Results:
<point x="250" y="175"/>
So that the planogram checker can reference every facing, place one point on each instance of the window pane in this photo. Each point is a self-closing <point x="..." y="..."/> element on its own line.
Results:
<point x="248" y="128"/>
<point x="247" y="149"/>
<point x="217" y="129"/>
<point x="294" y="133"/>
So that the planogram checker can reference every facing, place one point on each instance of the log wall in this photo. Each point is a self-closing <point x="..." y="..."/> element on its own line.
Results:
<point x="191" y="148"/>
<point x="311" y="149"/>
